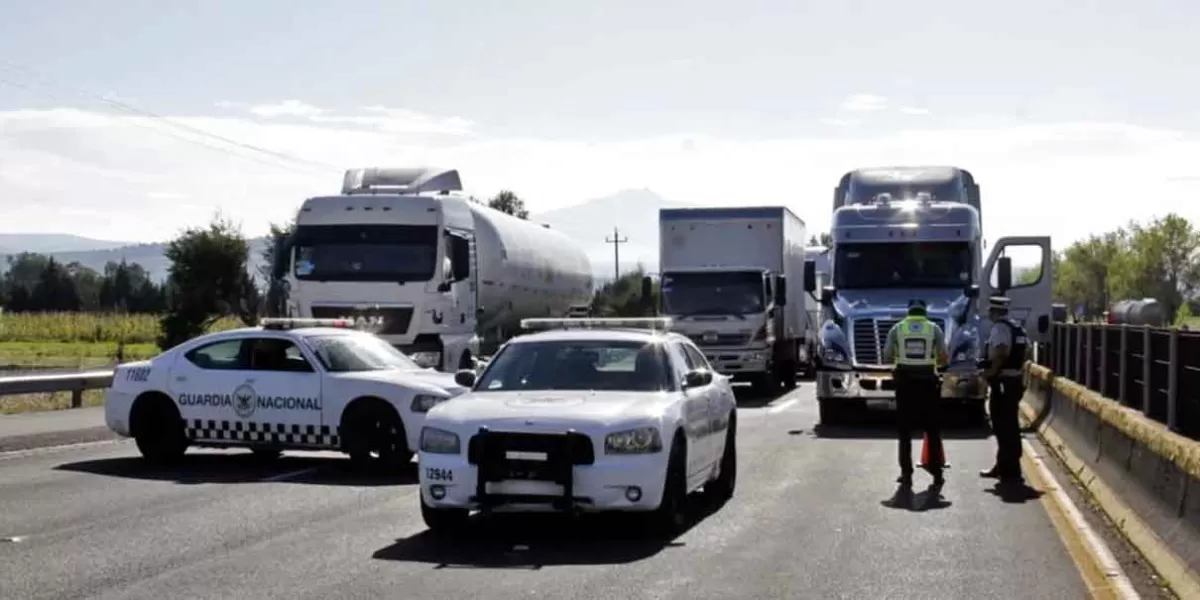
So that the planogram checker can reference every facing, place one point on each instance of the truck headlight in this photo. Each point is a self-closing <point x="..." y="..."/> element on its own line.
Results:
<point x="833" y="355"/>
<point x="439" y="441"/>
<point x="427" y="358"/>
<point x="423" y="402"/>
<point x="642" y="440"/>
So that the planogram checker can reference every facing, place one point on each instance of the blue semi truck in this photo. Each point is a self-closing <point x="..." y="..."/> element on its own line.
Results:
<point x="900" y="233"/>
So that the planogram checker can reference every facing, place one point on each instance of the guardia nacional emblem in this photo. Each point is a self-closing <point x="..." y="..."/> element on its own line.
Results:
<point x="245" y="400"/>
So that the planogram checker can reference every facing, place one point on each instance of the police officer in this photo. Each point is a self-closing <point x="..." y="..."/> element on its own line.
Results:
<point x="1005" y="352"/>
<point x="916" y="346"/>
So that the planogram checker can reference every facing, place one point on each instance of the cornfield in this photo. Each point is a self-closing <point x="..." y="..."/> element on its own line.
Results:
<point x="80" y="327"/>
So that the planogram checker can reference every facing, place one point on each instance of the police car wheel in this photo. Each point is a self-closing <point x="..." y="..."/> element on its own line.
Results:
<point x="377" y="437"/>
<point x="721" y="489"/>
<point x="444" y="520"/>
<point x="159" y="434"/>
<point x="670" y="516"/>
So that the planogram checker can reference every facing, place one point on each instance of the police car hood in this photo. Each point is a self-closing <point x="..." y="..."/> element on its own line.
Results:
<point x="554" y="406"/>
<point x="893" y="302"/>
<point x="422" y="379"/>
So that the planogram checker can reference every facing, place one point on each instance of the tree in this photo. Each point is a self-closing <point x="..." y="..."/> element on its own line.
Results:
<point x="273" y="268"/>
<point x="623" y="297"/>
<point x="508" y="202"/>
<point x="208" y="279"/>
<point x="822" y="239"/>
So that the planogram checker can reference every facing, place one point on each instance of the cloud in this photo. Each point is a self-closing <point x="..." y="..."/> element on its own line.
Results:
<point x="863" y="103"/>
<point x="912" y="110"/>
<point x="381" y="118"/>
<point x="143" y="179"/>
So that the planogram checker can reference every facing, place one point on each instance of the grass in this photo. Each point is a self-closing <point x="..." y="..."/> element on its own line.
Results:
<point x="32" y="342"/>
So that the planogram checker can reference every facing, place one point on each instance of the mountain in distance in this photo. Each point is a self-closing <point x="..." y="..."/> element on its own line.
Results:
<point x="151" y="256"/>
<point x="634" y="213"/>
<point x="47" y="243"/>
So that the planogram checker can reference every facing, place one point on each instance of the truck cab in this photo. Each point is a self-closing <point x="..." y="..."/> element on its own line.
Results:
<point x="901" y="233"/>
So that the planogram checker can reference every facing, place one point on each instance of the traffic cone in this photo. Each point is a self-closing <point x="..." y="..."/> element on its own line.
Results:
<point x="925" y="452"/>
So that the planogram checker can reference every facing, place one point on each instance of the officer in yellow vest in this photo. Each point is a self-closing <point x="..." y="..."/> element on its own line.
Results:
<point x="916" y="346"/>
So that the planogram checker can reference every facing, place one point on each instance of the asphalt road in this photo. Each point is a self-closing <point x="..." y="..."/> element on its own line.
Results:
<point x="813" y="517"/>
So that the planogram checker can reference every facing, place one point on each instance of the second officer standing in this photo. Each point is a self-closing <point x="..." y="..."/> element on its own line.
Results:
<point x="916" y="347"/>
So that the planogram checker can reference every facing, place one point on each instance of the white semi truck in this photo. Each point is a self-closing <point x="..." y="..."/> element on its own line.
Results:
<point x="732" y="280"/>
<point x="428" y="268"/>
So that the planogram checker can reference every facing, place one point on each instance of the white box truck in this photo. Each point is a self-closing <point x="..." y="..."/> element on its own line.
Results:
<point x="732" y="279"/>
<point x="426" y="267"/>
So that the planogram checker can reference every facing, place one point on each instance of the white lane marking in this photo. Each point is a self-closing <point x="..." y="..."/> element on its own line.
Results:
<point x="1108" y="562"/>
<point x="289" y="475"/>
<point x="782" y="406"/>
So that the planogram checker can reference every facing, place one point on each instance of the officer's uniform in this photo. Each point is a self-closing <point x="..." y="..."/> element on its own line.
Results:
<point x="915" y="346"/>
<point x="1005" y="393"/>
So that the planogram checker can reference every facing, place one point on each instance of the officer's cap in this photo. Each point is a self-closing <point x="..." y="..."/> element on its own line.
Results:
<point x="999" y="302"/>
<point x="916" y="305"/>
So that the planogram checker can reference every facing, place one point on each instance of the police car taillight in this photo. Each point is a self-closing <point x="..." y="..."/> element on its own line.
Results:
<point x="294" y="323"/>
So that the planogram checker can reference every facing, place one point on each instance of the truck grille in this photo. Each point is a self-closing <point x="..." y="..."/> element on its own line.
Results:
<point x="723" y="339"/>
<point x="395" y="319"/>
<point x="868" y="336"/>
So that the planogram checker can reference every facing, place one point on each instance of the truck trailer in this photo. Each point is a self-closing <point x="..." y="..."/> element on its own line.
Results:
<point x="429" y="269"/>
<point x="731" y="280"/>
<point x="903" y="233"/>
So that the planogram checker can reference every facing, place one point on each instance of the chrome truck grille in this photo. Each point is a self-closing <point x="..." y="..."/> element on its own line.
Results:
<point x="869" y="334"/>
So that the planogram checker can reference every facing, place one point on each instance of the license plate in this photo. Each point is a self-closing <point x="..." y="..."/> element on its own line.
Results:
<point x="517" y="455"/>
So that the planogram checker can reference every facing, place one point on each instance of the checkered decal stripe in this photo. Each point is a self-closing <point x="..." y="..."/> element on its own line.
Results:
<point x="278" y="433"/>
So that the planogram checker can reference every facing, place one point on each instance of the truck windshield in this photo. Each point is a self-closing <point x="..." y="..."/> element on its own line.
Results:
<point x="612" y="365"/>
<point x="925" y="264"/>
<point x="344" y="353"/>
<point x="713" y="293"/>
<point x="864" y="193"/>
<point x="366" y="252"/>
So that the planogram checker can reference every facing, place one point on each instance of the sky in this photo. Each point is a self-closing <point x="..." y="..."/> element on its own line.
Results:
<point x="132" y="120"/>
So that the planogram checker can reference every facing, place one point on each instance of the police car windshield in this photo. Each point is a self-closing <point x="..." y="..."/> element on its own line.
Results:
<point x="350" y="352"/>
<point x="631" y="366"/>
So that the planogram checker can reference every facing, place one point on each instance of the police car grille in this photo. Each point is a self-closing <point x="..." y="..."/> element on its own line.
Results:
<point x="395" y="319"/>
<point x="870" y="335"/>
<point x="494" y="445"/>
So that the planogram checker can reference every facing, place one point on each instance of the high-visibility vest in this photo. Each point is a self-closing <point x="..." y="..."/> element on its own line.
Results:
<point x="915" y="341"/>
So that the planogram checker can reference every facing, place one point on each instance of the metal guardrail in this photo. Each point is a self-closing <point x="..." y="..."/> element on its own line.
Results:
<point x="76" y="383"/>
<point x="1152" y="369"/>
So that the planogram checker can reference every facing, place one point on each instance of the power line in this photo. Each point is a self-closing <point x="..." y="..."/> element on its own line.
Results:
<point x="616" y="241"/>
<point x="13" y="68"/>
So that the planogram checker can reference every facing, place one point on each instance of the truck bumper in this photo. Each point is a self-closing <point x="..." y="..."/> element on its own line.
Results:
<point x="735" y="361"/>
<point x="879" y="389"/>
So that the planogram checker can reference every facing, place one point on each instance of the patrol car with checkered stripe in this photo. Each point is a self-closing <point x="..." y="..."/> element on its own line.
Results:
<point x="582" y="415"/>
<point x="289" y="384"/>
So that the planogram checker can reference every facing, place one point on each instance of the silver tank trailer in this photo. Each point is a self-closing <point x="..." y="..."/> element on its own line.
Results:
<point x="1147" y="311"/>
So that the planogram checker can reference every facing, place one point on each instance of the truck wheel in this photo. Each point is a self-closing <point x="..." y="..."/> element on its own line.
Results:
<point x="788" y="375"/>
<point x="444" y="520"/>
<point x="766" y="384"/>
<point x="832" y="413"/>
<point x="375" y="436"/>
<point x="158" y="430"/>
<point x="721" y="488"/>
<point x="669" y="518"/>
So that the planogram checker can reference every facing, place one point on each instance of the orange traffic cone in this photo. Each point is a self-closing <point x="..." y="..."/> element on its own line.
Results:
<point x="925" y="453"/>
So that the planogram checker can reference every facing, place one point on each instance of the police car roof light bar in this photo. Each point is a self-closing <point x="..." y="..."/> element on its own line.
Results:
<point x="295" y="323"/>
<point x="651" y="323"/>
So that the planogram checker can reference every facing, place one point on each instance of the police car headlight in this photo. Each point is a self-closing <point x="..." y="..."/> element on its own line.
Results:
<point x="439" y="441"/>
<point x="642" y="440"/>
<point x="427" y="359"/>
<point x="423" y="402"/>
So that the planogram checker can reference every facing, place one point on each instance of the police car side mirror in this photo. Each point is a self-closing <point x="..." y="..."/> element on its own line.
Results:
<point x="697" y="378"/>
<point x="465" y="378"/>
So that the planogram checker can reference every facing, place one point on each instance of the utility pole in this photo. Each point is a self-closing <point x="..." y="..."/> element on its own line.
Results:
<point x="616" y="241"/>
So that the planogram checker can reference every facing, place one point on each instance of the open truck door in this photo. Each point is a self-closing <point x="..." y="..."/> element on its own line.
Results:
<point x="1021" y="268"/>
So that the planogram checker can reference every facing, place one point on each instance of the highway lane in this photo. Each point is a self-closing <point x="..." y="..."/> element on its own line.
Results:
<point x="812" y="518"/>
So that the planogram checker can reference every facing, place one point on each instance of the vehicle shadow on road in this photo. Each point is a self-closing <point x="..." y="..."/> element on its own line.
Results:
<point x="881" y="424"/>
<point x="928" y="499"/>
<point x="532" y="542"/>
<point x="244" y="468"/>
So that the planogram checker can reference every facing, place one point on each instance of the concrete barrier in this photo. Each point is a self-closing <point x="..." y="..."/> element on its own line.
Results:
<point x="1145" y="477"/>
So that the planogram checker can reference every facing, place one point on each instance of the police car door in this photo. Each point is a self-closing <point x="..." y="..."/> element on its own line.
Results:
<point x="697" y="425"/>
<point x="202" y="382"/>
<point x="280" y="392"/>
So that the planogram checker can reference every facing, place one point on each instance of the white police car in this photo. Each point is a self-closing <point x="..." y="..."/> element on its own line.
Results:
<point x="290" y="384"/>
<point x="586" y="415"/>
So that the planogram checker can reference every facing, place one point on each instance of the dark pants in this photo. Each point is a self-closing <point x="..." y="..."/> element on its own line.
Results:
<point x="917" y="397"/>
<point x="1003" y="403"/>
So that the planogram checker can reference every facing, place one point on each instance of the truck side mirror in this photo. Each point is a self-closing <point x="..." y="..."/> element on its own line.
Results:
<point x="972" y="291"/>
<point x="827" y="295"/>
<point x="1004" y="274"/>
<point x="460" y="258"/>
<point x="810" y="276"/>
<point x="781" y="291"/>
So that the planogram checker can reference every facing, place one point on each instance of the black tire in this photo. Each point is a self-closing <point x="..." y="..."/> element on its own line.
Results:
<point x="159" y="434"/>
<point x="766" y="384"/>
<point x="721" y="489"/>
<point x="266" y="452"/>
<point x="832" y="413"/>
<point x="375" y="437"/>
<point x="444" y="520"/>
<point x="788" y="375"/>
<point x="670" y="517"/>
